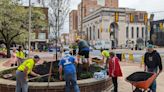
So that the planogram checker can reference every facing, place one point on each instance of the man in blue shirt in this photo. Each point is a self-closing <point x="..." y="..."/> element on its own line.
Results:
<point x="67" y="63"/>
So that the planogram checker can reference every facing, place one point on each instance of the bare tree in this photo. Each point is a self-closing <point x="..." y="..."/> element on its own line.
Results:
<point x="58" y="11"/>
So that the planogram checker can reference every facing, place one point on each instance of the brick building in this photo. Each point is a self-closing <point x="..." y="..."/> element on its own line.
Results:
<point x="89" y="6"/>
<point x="73" y="24"/>
<point x="39" y="36"/>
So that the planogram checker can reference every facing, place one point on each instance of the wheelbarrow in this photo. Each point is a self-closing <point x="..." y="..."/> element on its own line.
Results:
<point x="141" y="80"/>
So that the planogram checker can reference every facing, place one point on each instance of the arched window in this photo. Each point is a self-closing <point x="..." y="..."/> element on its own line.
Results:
<point x="137" y="32"/>
<point x="143" y="32"/>
<point x="132" y="35"/>
<point x="94" y="33"/>
<point x="127" y="32"/>
<point x="87" y="33"/>
<point x="98" y="33"/>
<point x="90" y="33"/>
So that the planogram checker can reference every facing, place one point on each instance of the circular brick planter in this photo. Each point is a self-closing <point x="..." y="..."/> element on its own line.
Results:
<point x="87" y="85"/>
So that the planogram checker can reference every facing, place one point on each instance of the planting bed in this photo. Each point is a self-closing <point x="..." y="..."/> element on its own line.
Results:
<point x="45" y="67"/>
<point x="85" y="82"/>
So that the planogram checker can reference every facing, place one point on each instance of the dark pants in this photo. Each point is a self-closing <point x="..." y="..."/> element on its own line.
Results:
<point x="74" y="52"/>
<point x="115" y="84"/>
<point x="154" y="85"/>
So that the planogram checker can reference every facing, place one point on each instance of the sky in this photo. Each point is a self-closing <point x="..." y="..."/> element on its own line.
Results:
<point x="143" y="5"/>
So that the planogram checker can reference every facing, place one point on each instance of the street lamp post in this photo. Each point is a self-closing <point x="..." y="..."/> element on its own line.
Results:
<point x="56" y="34"/>
<point x="29" y="29"/>
<point x="81" y="18"/>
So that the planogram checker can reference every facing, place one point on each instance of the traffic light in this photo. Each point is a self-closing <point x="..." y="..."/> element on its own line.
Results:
<point x="161" y="26"/>
<point x="149" y="28"/>
<point x="109" y="29"/>
<point x="101" y="28"/>
<point x="145" y="18"/>
<point x="131" y="18"/>
<point x="116" y="16"/>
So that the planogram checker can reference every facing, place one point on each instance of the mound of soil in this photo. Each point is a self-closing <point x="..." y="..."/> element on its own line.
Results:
<point x="139" y="76"/>
<point x="44" y="68"/>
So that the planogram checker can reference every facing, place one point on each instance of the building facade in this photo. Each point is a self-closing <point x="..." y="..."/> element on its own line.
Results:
<point x="65" y="39"/>
<point x="86" y="7"/>
<point x="102" y="25"/>
<point x="39" y="36"/>
<point x="157" y="32"/>
<point x="104" y="20"/>
<point x="73" y="24"/>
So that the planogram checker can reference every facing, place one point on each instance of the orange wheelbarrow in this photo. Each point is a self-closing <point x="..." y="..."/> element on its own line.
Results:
<point x="141" y="80"/>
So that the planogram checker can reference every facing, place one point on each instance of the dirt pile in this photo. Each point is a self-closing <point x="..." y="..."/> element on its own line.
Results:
<point x="139" y="76"/>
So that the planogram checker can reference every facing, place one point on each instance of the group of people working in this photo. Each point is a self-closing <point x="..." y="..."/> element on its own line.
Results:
<point x="67" y="63"/>
<point x="17" y="57"/>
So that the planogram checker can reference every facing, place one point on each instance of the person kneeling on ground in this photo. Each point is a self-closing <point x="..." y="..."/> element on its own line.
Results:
<point x="67" y="64"/>
<point x="22" y="74"/>
<point x="114" y="70"/>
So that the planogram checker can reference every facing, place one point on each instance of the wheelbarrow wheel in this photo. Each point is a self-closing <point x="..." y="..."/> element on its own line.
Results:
<point x="138" y="90"/>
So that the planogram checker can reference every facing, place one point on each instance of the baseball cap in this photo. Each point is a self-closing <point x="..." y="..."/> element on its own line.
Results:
<point x="66" y="52"/>
<point x="36" y="57"/>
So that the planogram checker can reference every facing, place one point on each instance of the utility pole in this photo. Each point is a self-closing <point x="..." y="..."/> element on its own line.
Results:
<point x="29" y="29"/>
<point x="57" y="31"/>
<point x="81" y="30"/>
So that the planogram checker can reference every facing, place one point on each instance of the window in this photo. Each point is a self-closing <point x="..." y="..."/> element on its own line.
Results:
<point x="98" y="33"/>
<point x="136" y="18"/>
<point x="33" y="36"/>
<point x="137" y="32"/>
<point x="127" y="32"/>
<point x="141" y="16"/>
<point x="132" y="33"/>
<point x="90" y="33"/>
<point x="87" y="34"/>
<point x="42" y="36"/>
<point x="143" y="32"/>
<point x="94" y="33"/>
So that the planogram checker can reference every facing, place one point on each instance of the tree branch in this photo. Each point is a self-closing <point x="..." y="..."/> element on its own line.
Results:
<point x="2" y="33"/>
<point x="17" y="34"/>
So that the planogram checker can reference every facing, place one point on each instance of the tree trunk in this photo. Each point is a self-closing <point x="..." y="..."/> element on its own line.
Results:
<point x="8" y="50"/>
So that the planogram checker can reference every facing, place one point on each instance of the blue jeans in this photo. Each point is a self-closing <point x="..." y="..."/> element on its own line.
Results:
<point x="21" y="83"/>
<point x="71" y="79"/>
<point x="154" y="84"/>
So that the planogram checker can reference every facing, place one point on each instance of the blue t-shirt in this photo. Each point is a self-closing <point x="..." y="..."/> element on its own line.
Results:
<point x="68" y="64"/>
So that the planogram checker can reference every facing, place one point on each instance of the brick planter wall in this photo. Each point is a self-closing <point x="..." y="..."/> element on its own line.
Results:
<point x="87" y="85"/>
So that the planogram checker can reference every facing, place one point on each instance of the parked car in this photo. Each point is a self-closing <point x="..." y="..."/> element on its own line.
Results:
<point x="102" y="44"/>
<point x="3" y="55"/>
<point x="66" y="47"/>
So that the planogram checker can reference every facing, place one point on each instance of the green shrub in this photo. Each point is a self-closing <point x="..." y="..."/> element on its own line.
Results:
<point x="86" y="75"/>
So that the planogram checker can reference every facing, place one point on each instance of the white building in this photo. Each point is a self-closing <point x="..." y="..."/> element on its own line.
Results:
<point x="102" y="25"/>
